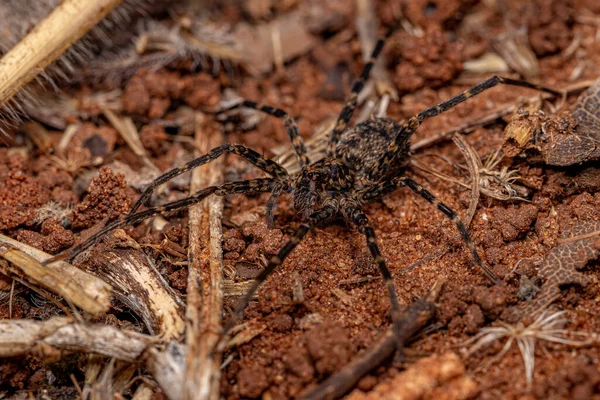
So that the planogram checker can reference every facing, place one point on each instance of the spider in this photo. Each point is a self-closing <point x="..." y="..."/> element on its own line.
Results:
<point x="362" y="163"/>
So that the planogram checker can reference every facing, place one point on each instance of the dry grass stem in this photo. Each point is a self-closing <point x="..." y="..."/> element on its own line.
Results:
<point x="84" y="290"/>
<point x="546" y="326"/>
<point x="129" y="133"/>
<point x="499" y="184"/>
<point x="474" y="165"/>
<point x="138" y="284"/>
<point x="205" y="276"/>
<point x="513" y="46"/>
<point x="436" y="376"/>
<point x="47" y="338"/>
<point x="47" y="41"/>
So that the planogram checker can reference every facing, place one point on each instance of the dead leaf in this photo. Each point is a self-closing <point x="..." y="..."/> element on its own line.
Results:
<point x="559" y="140"/>
<point x="561" y="267"/>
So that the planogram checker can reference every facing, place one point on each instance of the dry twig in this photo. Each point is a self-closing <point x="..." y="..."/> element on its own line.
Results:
<point x="84" y="290"/>
<point x="434" y="377"/>
<point x="143" y="289"/>
<point x="47" y="41"/>
<point x="415" y="318"/>
<point x="205" y="277"/>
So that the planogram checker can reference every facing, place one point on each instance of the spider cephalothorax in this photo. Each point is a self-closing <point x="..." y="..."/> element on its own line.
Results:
<point x="319" y="183"/>
<point x="362" y="164"/>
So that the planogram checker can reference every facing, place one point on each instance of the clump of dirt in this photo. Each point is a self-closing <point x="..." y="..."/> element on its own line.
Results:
<point x="150" y="94"/>
<point x="52" y="239"/>
<point x="466" y="309"/>
<point x="21" y="195"/>
<point x="430" y="60"/>
<point x="107" y="197"/>
<point x="446" y="13"/>
<point x="548" y="23"/>
<point x="154" y="139"/>
<point x="246" y="249"/>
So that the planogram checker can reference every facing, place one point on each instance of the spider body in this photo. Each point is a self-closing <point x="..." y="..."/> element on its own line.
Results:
<point x="340" y="180"/>
<point x="362" y="147"/>
<point x="362" y="164"/>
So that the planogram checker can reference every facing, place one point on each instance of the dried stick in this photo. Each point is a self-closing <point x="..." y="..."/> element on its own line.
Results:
<point x="414" y="319"/>
<point x="143" y="289"/>
<point x="82" y="289"/>
<point x="205" y="276"/>
<point x="474" y="164"/>
<point x="434" y="377"/>
<point x="20" y="337"/>
<point x="47" y="41"/>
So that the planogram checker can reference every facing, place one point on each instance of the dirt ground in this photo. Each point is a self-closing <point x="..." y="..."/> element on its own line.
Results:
<point x="50" y="201"/>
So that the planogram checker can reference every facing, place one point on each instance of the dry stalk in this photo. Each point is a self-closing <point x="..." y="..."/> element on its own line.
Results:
<point x="167" y="366"/>
<point x="415" y="318"/>
<point x="47" y="41"/>
<point x="47" y="338"/>
<point x="474" y="165"/>
<point x="139" y="285"/>
<point x="205" y="276"/>
<point x="129" y="133"/>
<point x="436" y="376"/>
<point x="80" y="288"/>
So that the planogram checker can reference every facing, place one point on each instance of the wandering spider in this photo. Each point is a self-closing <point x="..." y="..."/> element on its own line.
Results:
<point x="362" y="163"/>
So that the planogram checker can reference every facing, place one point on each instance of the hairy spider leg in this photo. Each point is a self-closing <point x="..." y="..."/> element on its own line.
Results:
<point x="453" y="216"/>
<point x="387" y="187"/>
<point x="277" y="260"/>
<point x="272" y="205"/>
<point x="351" y="102"/>
<point x="248" y="186"/>
<point x="266" y="165"/>
<point x="396" y="147"/>
<point x="290" y="126"/>
<point x="359" y="218"/>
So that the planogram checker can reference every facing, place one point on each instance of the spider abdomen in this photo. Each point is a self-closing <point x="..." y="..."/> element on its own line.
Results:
<point x="362" y="146"/>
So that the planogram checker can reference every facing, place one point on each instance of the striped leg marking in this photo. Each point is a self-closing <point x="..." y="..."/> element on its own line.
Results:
<point x="268" y="166"/>
<point x="360" y="219"/>
<point x="290" y="126"/>
<point x="452" y="215"/>
<point x="350" y="106"/>
<point x="398" y="146"/>
<point x="249" y="186"/>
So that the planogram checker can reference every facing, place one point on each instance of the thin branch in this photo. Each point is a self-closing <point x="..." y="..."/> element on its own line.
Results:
<point x="205" y="276"/>
<point x="84" y="290"/>
<point x="414" y="319"/>
<point x="47" y="41"/>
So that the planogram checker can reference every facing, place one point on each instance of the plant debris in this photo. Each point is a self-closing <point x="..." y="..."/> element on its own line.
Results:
<point x="559" y="140"/>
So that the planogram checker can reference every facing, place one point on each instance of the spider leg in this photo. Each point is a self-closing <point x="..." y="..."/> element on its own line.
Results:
<point x="268" y="166"/>
<point x="350" y="106"/>
<point x="277" y="260"/>
<point x="360" y="219"/>
<point x="272" y="205"/>
<point x="451" y="214"/>
<point x="386" y="187"/>
<point x="401" y="143"/>
<point x="290" y="126"/>
<point x="248" y="186"/>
